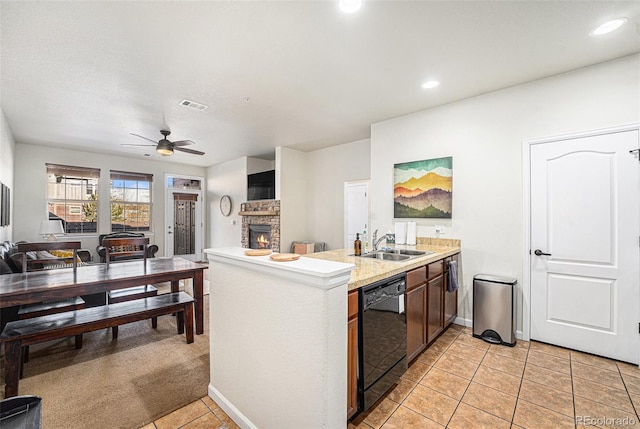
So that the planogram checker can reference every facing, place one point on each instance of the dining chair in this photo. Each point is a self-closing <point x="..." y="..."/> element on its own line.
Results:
<point x="121" y="249"/>
<point x="44" y="258"/>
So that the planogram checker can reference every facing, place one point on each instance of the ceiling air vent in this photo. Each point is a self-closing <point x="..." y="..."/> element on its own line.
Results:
<point x="193" y="105"/>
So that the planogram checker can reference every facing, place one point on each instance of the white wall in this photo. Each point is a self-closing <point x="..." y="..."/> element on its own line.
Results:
<point x="31" y="180"/>
<point x="228" y="178"/>
<point x="328" y="170"/>
<point x="292" y="176"/>
<point x="310" y="186"/>
<point x="7" y="156"/>
<point x="484" y="135"/>
<point x="258" y="165"/>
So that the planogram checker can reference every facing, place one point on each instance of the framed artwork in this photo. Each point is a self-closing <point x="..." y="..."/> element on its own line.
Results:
<point x="2" y="203"/>
<point x="5" y="201"/>
<point x="423" y="189"/>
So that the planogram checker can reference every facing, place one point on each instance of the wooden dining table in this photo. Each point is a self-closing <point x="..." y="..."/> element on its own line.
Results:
<point x="37" y="286"/>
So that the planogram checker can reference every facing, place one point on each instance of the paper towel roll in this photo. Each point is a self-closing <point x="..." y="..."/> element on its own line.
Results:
<point x="411" y="233"/>
<point x="401" y="232"/>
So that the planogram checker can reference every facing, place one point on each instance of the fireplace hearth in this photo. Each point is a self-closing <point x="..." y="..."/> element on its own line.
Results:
<point x="263" y="217"/>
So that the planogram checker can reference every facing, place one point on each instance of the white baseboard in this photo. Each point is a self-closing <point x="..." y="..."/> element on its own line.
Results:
<point x="463" y="322"/>
<point x="235" y="414"/>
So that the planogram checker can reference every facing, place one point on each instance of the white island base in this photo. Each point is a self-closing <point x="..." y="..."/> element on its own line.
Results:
<point x="278" y="335"/>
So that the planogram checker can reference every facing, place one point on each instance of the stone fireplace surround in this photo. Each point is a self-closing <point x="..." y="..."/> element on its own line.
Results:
<point x="263" y="212"/>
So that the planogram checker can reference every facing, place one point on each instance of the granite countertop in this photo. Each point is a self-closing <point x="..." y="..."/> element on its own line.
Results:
<point x="370" y="270"/>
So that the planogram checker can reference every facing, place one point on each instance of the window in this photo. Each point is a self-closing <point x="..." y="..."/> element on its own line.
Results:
<point x="130" y="201"/>
<point x="72" y="197"/>
<point x="181" y="183"/>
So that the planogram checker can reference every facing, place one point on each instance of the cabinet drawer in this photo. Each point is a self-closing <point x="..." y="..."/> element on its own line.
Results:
<point x="416" y="277"/>
<point x="435" y="269"/>
<point x="353" y="304"/>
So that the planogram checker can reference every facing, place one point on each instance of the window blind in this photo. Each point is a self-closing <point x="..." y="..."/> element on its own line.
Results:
<point x="70" y="171"/>
<point x="128" y="175"/>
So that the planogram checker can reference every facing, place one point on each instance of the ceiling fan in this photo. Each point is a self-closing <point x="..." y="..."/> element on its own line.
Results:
<point x="165" y="147"/>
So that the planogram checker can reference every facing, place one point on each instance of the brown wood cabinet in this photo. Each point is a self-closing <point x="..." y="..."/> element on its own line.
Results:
<point x="435" y="296"/>
<point x="430" y="308"/>
<point x="352" y="354"/>
<point x="416" y="308"/>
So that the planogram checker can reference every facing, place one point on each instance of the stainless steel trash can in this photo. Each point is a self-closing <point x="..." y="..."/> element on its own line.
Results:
<point x="494" y="309"/>
<point x="21" y="412"/>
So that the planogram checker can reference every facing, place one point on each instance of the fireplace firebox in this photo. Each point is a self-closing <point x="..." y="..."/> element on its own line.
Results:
<point x="259" y="236"/>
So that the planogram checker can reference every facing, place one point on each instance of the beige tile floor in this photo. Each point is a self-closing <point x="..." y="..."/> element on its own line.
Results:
<point x="463" y="382"/>
<point x="201" y="414"/>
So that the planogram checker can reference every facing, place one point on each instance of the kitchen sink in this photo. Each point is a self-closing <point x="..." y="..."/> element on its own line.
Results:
<point x="408" y="252"/>
<point x="395" y="255"/>
<point x="385" y="256"/>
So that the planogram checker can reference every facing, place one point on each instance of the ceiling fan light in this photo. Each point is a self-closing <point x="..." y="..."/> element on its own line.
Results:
<point x="164" y="150"/>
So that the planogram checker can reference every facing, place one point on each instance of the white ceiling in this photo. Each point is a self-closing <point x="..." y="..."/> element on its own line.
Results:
<point x="86" y="74"/>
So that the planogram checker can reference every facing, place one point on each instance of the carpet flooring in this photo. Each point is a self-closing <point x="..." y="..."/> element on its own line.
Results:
<point x="124" y="383"/>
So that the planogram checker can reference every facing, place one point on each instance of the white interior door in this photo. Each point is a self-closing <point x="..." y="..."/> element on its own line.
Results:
<point x="585" y="214"/>
<point x="356" y="209"/>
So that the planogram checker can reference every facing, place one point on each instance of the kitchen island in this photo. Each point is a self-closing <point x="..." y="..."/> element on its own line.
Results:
<point x="278" y="335"/>
<point x="281" y="332"/>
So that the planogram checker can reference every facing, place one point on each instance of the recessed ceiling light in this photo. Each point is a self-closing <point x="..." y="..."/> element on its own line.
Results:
<point x="349" y="6"/>
<point x="430" y="84"/>
<point x="609" y="26"/>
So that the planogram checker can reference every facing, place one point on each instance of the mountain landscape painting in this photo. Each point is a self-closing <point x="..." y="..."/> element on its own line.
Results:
<point x="422" y="189"/>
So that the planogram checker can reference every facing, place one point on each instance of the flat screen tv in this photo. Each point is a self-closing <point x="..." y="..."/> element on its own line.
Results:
<point x="261" y="186"/>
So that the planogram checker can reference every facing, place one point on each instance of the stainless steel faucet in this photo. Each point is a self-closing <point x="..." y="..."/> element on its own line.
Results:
<point x="376" y="243"/>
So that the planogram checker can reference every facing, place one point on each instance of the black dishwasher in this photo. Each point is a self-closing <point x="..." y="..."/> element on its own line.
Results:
<point x="383" y="342"/>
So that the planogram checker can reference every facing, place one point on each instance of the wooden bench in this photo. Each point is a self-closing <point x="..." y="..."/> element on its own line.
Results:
<point x="21" y="333"/>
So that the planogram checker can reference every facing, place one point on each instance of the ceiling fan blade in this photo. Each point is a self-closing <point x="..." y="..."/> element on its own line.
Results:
<point x="183" y="143"/>
<point x="191" y="151"/>
<point x="125" y="144"/>
<point x="143" y="137"/>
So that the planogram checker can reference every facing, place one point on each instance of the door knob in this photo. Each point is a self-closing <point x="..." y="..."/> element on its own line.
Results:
<point x="539" y="252"/>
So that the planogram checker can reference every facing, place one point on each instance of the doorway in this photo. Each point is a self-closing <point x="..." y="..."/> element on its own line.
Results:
<point x="184" y="217"/>
<point x="582" y="272"/>
<point x="356" y="211"/>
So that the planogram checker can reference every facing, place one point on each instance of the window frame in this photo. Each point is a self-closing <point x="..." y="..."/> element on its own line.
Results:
<point x="82" y="181"/>
<point x="137" y="203"/>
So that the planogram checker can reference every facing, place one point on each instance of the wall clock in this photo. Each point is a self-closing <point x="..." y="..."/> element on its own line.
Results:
<point x="225" y="205"/>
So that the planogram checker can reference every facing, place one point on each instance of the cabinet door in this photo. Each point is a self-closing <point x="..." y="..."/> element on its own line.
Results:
<point x="450" y="298"/>
<point x="352" y="367"/>
<point x="416" y="315"/>
<point x="352" y="354"/>
<point x="450" y="307"/>
<point x="435" y="292"/>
